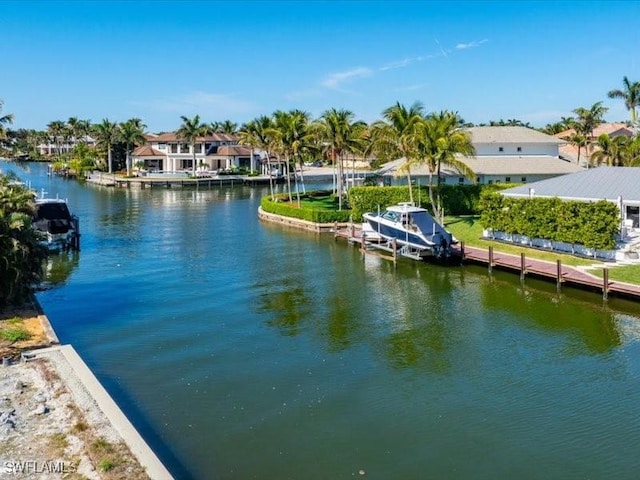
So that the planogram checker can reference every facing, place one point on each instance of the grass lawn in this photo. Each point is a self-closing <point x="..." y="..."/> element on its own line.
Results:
<point x="627" y="274"/>
<point x="467" y="229"/>
<point x="328" y="202"/>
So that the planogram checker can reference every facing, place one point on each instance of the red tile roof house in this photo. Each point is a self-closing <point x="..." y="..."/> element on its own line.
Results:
<point x="168" y="153"/>
<point x="570" y="152"/>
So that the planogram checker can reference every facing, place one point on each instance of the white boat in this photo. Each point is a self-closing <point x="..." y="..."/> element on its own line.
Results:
<point x="414" y="229"/>
<point x="59" y="228"/>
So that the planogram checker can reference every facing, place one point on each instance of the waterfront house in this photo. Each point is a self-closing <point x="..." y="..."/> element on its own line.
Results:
<point x="51" y="147"/>
<point x="569" y="151"/>
<point x="618" y="185"/>
<point x="503" y="155"/>
<point x="219" y="151"/>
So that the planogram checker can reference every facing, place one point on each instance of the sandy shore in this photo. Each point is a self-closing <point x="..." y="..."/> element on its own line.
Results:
<point x="51" y="427"/>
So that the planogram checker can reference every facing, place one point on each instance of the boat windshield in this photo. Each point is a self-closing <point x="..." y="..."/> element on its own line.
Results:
<point x="393" y="216"/>
<point x="52" y="211"/>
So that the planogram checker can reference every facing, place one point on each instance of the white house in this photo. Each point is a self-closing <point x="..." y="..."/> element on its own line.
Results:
<point x="503" y="155"/>
<point x="51" y="148"/>
<point x="167" y="152"/>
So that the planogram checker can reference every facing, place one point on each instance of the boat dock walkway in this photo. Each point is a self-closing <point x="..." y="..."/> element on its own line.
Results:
<point x="561" y="274"/>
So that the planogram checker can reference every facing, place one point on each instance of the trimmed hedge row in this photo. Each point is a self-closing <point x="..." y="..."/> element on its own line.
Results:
<point x="593" y="224"/>
<point x="281" y="206"/>
<point x="456" y="199"/>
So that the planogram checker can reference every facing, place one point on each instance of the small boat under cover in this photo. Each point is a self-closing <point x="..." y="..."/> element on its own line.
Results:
<point x="59" y="228"/>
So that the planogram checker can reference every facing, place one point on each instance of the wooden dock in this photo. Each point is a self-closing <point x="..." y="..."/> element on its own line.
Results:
<point x="176" y="181"/>
<point x="520" y="264"/>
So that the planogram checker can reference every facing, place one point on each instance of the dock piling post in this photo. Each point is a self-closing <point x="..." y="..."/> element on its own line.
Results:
<point x="605" y="283"/>
<point x="522" y="266"/>
<point x="558" y="274"/>
<point x="394" y="246"/>
<point x="490" y="258"/>
<point x="461" y="251"/>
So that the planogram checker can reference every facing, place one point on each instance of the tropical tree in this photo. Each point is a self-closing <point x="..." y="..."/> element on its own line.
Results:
<point x="578" y="140"/>
<point x="6" y="119"/>
<point x="587" y="120"/>
<point x="630" y="93"/>
<point x="228" y="127"/>
<point x="21" y="254"/>
<point x="107" y="134"/>
<point x="441" y="142"/>
<point x="132" y="135"/>
<point x="399" y="134"/>
<point x="56" y="130"/>
<point x="339" y="134"/>
<point x="190" y="130"/>
<point x="255" y="133"/>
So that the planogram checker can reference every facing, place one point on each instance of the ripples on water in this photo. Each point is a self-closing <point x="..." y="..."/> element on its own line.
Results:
<point x="247" y="350"/>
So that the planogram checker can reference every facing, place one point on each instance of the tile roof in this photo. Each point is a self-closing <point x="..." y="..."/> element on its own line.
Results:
<point x="497" y="165"/>
<point x="233" y="150"/>
<point x="611" y="129"/>
<point x="510" y="135"/>
<point x="147" y="151"/>
<point x="607" y="183"/>
<point x="172" y="137"/>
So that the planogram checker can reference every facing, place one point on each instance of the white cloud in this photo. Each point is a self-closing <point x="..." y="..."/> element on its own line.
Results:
<point x="474" y="44"/>
<point x="335" y="80"/>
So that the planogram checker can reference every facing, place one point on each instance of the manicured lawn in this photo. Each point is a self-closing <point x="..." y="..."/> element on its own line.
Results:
<point x="467" y="229"/>
<point x="328" y="202"/>
<point x="627" y="274"/>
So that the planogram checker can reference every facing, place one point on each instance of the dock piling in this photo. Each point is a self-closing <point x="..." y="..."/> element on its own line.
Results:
<point x="605" y="283"/>
<point x="523" y="266"/>
<point x="490" y="258"/>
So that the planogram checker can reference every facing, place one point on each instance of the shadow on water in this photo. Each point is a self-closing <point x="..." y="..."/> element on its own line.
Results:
<point x="538" y="304"/>
<point x="58" y="268"/>
<point x="137" y="417"/>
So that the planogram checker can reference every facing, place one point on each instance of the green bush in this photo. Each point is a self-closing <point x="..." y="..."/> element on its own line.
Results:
<point x="592" y="224"/>
<point x="281" y="206"/>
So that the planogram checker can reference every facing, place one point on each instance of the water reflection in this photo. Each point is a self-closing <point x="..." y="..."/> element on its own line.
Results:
<point x="59" y="267"/>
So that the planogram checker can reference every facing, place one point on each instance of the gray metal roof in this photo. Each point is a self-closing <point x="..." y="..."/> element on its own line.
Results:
<point x="600" y="183"/>
<point x="497" y="165"/>
<point x="511" y="135"/>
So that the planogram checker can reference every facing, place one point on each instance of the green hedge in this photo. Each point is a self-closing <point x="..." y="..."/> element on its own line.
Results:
<point x="592" y="224"/>
<point x="456" y="199"/>
<point x="281" y="206"/>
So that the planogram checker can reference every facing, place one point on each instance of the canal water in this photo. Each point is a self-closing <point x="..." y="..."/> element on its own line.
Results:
<point x="247" y="350"/>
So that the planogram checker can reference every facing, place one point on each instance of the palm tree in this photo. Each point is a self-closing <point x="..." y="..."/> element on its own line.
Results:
<point x="441" y="143"/>
<point x="578" y="140"/>
<point x="6" y="119"/>
<point x="132" y="135"/>
<point x="228" y="127"/>
<point x="256" y="134"/>
<point x="190" y="130"/>
<point x="399" y="135"/>
<point x="588" y="119"/>
<point x="337" y="131"/>
<point x="56" y="130"/>
<point x="631" y="96"/>
<point x="107" y="134"/>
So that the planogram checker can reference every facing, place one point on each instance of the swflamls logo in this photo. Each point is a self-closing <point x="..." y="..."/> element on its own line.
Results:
<point x="16" y="467"/>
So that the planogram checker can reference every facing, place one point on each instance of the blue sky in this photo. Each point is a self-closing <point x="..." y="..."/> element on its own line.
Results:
<point x="158" y="60"/>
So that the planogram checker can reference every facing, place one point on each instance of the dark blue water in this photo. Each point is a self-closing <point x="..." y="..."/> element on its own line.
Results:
<point x="247" y="350"/>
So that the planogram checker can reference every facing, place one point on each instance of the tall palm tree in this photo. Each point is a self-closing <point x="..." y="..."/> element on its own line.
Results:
<point x="337" y="131"/>
<point x="441" y="142"/>
<point x="228" y="127"/>
<point x="132" y="135"/>
<point x="6" y="119"/>
<point x="630" y="93"/>
<point x="577" y="140"/>
<point x="190" y="130"/>
<point x="399" y="134"/>
<point x="107" y="134"/>
<point x="292" y="136"/>
<point x="255" y="133"/>
<point x="56" y="130"/>
<point x="587" y="120"/>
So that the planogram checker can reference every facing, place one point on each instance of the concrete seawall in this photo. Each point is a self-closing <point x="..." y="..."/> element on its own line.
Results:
<point x="84" y="378"/>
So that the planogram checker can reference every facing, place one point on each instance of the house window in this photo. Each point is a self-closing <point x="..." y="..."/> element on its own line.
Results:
<point x="184" y="148"/>
<point x="162" y="146"/>
<point x="460" y="180"/>
<point x="501" y="149"/>
<point x="490" y="182"/>
<point x="477" y="179"/>
<point x="507" y="179"/>
<point x="519" y="149"/>
<point x="174" y="148"/>
<point x="524" y="179"/>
